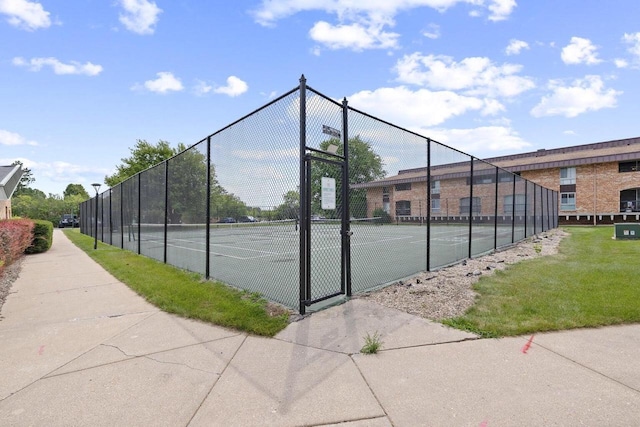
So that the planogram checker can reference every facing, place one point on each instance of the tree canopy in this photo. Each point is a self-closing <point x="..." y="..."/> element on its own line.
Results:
<point x="143" y="156"/>
<point x="75" y="190"/>
<point x="365" y="165"/>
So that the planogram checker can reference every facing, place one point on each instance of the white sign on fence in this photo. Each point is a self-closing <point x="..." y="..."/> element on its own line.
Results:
<point x="328" y="193"/>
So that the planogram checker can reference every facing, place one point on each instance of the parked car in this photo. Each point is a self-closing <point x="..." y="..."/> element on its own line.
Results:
<point x="68" y="220"/>
<point x="227" y="220"/>
<point x="247" y="218"/>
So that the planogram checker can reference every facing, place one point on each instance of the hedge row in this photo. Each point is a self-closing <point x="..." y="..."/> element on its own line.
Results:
<point x="15" y="237"/>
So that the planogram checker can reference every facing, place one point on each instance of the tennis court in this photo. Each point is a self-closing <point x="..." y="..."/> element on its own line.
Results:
<point x="264" y="257"/>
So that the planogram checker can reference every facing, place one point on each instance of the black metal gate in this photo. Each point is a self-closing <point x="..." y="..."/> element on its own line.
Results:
<point x="325" y="254"/>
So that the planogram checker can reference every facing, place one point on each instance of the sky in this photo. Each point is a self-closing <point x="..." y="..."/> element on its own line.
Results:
<point x="82" y="80"/>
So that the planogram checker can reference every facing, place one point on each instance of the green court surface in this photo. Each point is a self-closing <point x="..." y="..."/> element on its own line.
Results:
<point x="264" y="257"/>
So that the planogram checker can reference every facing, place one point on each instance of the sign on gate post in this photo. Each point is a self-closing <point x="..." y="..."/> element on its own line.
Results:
<point x="328" y="193"/>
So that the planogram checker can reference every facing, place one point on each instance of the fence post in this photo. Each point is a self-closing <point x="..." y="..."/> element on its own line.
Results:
<point x="166" y="208"/>
<point x="513" y="211"/>
<point x="346" y="201"/>
<point x="207" y="255"/>
<point x="303" y="197"/>
<point x="121" y="185"/>
<point x="470" y="206"/>
<point x="428" y="204"/>
<point x="495" y="215"/>
<point x="139" y="210"/>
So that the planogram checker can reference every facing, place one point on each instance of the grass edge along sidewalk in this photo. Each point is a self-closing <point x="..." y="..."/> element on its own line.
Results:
<point x="184" y="293"/>
<point x="591" y="282"/>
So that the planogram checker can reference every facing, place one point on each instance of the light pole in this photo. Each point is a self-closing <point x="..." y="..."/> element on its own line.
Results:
<point x="97" y="187"/>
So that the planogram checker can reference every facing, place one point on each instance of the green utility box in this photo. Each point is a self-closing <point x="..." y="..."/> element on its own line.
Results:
<point x="626" y="231"/>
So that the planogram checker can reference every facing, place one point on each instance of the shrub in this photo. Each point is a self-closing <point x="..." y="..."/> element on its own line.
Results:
<point x="42" y="237"/>
<point x="385" y="218"/>
<point x="15" y="237"/>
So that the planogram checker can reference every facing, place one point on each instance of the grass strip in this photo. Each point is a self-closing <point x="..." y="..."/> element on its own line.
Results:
<point x="591" y="282"/>
<point x="184" y="293"/>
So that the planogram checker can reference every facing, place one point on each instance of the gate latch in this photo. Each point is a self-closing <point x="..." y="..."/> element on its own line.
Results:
<point x="348" y="233"/>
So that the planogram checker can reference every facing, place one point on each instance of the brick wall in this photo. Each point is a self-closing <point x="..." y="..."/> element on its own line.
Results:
<point x="598" y="186"/>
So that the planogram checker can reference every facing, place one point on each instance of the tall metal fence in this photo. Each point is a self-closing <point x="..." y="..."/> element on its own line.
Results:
<point x="307" y="199"/>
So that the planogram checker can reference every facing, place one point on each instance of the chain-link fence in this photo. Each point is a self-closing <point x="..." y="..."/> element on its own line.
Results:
<point x="307" y="198"/>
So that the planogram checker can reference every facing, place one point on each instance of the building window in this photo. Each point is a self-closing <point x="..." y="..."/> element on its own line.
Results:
<point x="435" y="187"/>
<point x="521" y="204"/>
<point x="567" y="176"/>
<point x="630" y="200"/>
<point x="567" y="201"/>
<point x="505" y="177"/>
<point x="403" y="187"/>
<point x="631" y="166"/>
<point x="403" y="208"/>
<point x="435" y="205"/>
<point x="464" y="206"/>
<point x="386" y="205"/>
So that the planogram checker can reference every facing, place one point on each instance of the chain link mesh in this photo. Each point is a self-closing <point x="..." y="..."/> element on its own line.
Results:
<point x="234" y="199"/>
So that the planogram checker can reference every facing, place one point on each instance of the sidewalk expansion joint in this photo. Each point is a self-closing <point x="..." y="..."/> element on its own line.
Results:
<point x="589" y="368"/>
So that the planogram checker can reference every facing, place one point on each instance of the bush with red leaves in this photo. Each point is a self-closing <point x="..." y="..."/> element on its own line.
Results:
<point x="16" y="236"/>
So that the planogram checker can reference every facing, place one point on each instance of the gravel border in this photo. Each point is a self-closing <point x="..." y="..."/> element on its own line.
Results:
<point x="448" y="292"/>
<point x="8" y="276"/>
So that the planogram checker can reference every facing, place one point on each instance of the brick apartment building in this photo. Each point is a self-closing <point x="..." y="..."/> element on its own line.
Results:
<point x="595" y="183"/>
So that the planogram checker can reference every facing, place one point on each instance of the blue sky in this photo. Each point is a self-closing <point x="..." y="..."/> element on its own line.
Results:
<point x="82" y="80"/>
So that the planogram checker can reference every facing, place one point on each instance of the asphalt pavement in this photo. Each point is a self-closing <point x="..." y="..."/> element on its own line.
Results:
<point x="79" y="348"/>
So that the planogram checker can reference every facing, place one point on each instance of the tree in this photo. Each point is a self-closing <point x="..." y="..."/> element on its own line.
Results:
<point x="143" y="156"/>
<point x="290" y="208"/>
<point x="75" y="190"/>
<point x="26" y="180"/>
<point x="365" y="165"/>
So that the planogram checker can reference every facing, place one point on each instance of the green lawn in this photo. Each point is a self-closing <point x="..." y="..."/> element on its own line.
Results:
<point x="184" y="293"/>
<point x="593" y="281"/>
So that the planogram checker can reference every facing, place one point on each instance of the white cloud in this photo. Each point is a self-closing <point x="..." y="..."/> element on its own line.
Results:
<point x="414" y="108"/>
<point x="140" y="16"/>
<point x="12" y="138"/>
<point x="588" y="94"/>
<point x="516" y="46"/>
<point x="58" y="67"/>
<point x="569" y="132"/>
<point x="432" y="31"/>
<point x="580" y="51"/>
<point x="202" y="88"/>
<point x="165" y="83"/>
<point x="354" y="36"/>
<point x="620" y="63"/>
<point x="501" y="9"/>
<point x="361" y="24"/>
<point x="634" y="41"/>
<point x="234" y="87"/>
<point x="481" y="142"/>
<point x="473" y="76"/>
<point x="25" y="14"/>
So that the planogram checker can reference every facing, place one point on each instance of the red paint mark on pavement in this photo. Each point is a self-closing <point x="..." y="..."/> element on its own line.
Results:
<point x="41" y="350"/>
<point x="484" y="424"/>
<point x="527" y="345"/>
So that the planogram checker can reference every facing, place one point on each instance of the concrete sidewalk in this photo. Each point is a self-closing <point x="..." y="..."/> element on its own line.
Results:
<point x="77" y="347"/>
